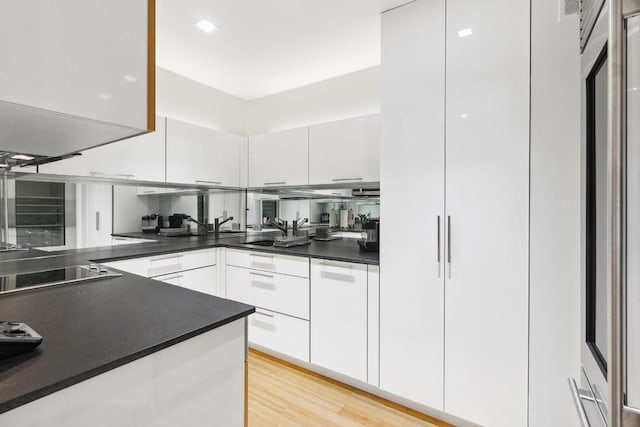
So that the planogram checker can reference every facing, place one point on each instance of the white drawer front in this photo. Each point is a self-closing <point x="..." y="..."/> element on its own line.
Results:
<point x="283" y="264"/>
<point x="272" y="291"/>
<point x="281" y="333"/>
<point x="201" y="279"/>
<point x="168" y="263"/>
<point x="139" y="266"/>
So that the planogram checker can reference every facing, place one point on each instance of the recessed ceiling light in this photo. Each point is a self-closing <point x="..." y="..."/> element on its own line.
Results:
<point x="130" y="78"/>
<point x="105" y="96"/>
<point x="464" y="33"/>
<point x="22" y="157"/>
<point x="206" y="26"/>
<point x="463" y="115"/>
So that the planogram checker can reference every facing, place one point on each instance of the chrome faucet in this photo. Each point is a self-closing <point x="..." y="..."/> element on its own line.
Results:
<point x="281" y="225"/>
<point x="217" y="223"/>
<point x="203" y="227"/>
<point x="299" y="223"/>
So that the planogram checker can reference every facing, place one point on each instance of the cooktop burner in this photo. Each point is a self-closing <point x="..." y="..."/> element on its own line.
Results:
<point x="60" y="276"/>
<point x="17" y="338"/>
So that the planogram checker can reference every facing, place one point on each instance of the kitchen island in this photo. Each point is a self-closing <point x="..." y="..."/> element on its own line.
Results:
<point x="122" y="351"/>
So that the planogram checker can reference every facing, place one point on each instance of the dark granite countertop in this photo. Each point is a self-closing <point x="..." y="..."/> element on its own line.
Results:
<point x="143" y="316"/>
<point x="93" y="327"/>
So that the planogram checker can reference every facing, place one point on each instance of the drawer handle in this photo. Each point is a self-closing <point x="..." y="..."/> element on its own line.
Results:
<point x="166" y="258"/>
<point x="261" y="275"/>
<point x="262" y="313"/>
<point x="261" y="256"/>
<point x="209" y="182"/>
<point x="112" y="175"/>
<point x="346" y="179"/>
<point x="173" y="277"/>
<point x="275" y="183"/>
<point x="343" y="266"/>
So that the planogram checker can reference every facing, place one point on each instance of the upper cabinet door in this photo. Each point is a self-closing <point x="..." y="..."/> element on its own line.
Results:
<point x="487" y="199"/>
<point x="345" y="151"/>
<point x="279" y="158"/>
<point x="75" y="73"/>
<point x="199" y="155"/>
<point x="140" y="158"/>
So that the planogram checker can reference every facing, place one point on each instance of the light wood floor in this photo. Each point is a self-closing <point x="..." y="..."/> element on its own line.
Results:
<point x="283" y="395"/>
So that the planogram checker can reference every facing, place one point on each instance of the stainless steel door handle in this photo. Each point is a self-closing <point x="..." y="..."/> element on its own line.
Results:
<point x="439" y="239"/>
<point x="97" y="221"/>
<point x="449" y="239"/>
<point x="577" y="400"/>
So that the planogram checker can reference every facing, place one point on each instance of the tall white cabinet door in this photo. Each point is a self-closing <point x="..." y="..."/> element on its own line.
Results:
<point x="339" y="317"/>
<point x="487" y="193"/>
<point x="412" y="169"/>
<point x="199" y="155"/>
<point x="279" y="158"/>
<point x="345" y="151"/>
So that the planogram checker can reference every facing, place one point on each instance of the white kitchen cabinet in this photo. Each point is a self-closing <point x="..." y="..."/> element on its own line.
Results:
<point x="454" y="303"/>
<point x="199" y="155"/>
<point x="279" y="158"/>
<point x="276" y="292"/>
<point x="345" y="151"/>
<point x="141" y="158"/>
<point x="71" y="79"/>
<point x="373" y="325"/>
<point x="339" y="317"/>
<point x="284" y="334"/>
<point x="265" y="261"/>
<point x="196" y="270"/>
<point x="200" y="279"/>
<point x="487" y="200"/>
<point x="412" y="168"/>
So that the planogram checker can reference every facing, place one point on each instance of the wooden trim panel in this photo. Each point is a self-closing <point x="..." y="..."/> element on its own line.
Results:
<point x="151" y="66"/>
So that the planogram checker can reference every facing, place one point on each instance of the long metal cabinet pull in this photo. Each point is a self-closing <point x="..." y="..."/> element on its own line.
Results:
<point x="97" y="221"/>
<point x="449" y="239"/>
<point x="577" y="400"/>
<point x="438" y="239"/>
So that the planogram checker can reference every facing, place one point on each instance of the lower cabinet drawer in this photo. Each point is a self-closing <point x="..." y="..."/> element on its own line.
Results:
<point x="277" y="292"/>
<point x="170" y="263"/>
<point x="167" y="263"/>
<point x="281" y="333"/>
<point x="201" y="279"/>
<point x="282" y="264"/>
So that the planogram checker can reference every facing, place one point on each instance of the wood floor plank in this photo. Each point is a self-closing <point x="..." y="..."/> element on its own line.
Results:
<point x="283" y="395"/>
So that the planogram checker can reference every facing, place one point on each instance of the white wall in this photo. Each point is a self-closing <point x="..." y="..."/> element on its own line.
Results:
<point x="184" y="99"/>
<point x="350" y="95"/>
<point x="555" y="219"/>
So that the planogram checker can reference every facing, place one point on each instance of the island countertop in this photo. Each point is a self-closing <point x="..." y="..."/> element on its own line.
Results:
<point x="93" y="327"/>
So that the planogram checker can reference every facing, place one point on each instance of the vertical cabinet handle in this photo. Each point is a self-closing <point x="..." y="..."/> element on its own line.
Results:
<point x="97" y="221"/>
<point x="449" y="239"/>
<point x="438" y="239"/>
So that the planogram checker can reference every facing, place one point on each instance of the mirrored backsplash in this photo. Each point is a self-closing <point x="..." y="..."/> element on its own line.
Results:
<point x="71" y="215"/>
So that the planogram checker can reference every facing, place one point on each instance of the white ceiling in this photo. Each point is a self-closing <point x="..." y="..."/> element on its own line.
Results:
<point x="267" y="46"/>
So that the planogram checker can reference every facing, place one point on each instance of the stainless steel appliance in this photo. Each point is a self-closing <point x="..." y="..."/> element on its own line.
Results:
<point x="608" y="392"/>
<point x="17" y="338"/>
<point x="59" y="276"/>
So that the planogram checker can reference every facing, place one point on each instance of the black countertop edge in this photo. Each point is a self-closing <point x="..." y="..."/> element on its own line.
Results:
<point x="243" y="242"/>
<point x="30" y="397"/>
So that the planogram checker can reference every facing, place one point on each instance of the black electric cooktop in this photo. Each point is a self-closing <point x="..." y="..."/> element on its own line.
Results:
<point x="73" y="274"/>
